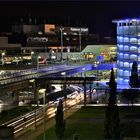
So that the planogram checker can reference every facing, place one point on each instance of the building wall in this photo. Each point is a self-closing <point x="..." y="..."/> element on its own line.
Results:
<point x="25" y="28"/>
<point x="4" y="45"/>
<point x="128" y="44"/>
<point x="107" y="51"/>
<point x="3" y="40"/>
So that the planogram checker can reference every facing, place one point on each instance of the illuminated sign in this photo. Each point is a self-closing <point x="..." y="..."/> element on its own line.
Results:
<point x="37" y="39"/>
<point x="79" y="29"/>
<point x="49" y="28"/>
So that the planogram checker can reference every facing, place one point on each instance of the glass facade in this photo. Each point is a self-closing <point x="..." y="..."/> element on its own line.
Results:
<point x="128" y="45"/>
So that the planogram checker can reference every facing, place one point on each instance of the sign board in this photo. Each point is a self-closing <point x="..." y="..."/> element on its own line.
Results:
<point x="79" y="29"/>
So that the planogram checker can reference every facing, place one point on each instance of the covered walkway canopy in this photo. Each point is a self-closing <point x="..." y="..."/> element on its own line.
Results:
<point x="66" y="80"/>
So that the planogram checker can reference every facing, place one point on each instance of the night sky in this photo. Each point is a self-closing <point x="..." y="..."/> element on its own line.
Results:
<point x="97" y="15"/>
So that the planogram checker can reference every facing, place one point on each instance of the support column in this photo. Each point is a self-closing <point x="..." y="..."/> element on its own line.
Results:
<point x="90" y="94"/>
<point x="36" y="94"/>
<point x="65" y="94"/>
<point x="15" y="98"/>
<point x="64" y="86"/>
<point x="49" y="87"/>
<point x="85" y="100"/>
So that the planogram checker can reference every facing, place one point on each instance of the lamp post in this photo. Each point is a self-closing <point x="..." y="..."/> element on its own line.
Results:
<point x="64" y="74"/>
<point x="83" y="70"/>
<point x="43" y="91"/>
<point x="2" y="57"/>
<point x="44" y="110"/>
<point x="96" y="65"/>
<point x="38" y="62"/>
<point x="97" y="84"/>
<point x="80" y="39"/>
<point x="32" y="81"/>
<point x="93" y="93"/>
<point x="61" y="30"/>
<point x="32" y="53"/>
<point x="68" y="54"/>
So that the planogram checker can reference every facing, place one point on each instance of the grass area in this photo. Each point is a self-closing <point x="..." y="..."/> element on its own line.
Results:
<point x="7" y="115"/>
<point x="88" y="123"/>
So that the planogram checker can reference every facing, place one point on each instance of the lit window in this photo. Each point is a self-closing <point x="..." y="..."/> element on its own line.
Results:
<point x="133" y="48"/>
<point x="126" y="39"/>
<point x="133" y="57"/>
<point x="121" y="64"/>
<point x="126" y="64"/>
<point x="126" y="73"/>
<point x="120" y="47"/>
<point x="126" y="56"/>
<point x="120" y="39"/>
<point x="133" y="40"/>
<point x="126" y="48"/>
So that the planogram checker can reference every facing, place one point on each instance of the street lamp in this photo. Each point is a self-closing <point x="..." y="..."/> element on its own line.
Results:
<point x="2" y="57"/>
<point x="96" y="65"/>
<point x="61" y="30"/>
<point x="38" y="62"/>
<point x="64" y="74"/>
<point x="43" y="91"/>
<point x="44" y="103"/>
<point x="97" y="84"/>
<point x="68" y="54"/>
<point x="32" y="53"/>
<point x="93" y="94"/>
<point x="83" y="70"/>
<point x="80" y="39"/>
<point x="33" y="87"/>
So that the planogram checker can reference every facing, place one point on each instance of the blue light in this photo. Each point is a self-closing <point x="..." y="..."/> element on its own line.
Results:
<point x="134" y="20"/>
<point x="128" y="43"/>
<point x="126" y="20"/>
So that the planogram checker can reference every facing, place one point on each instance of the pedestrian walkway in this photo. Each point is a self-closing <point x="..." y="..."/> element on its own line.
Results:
<point x="33" y="133"/>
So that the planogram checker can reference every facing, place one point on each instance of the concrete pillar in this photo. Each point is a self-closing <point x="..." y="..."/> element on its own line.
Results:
<point x="64" y="85"/>
<point x="90" y="94"/>
<point x="49" y="87"/>
<point x="64" y="88"/>
<point x="15" y="97"/>
<point x="85" y="100"/>
<point x="36" y="94"/>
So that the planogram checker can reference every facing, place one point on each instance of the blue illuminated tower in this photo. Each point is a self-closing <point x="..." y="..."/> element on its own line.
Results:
<point x="128" y="44"/>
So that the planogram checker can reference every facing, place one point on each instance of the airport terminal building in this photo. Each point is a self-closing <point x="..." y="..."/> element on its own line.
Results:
<point x="43" y="37"/>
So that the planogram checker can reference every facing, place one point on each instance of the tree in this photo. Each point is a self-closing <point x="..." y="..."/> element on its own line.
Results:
<point x="113" y="89"/>
<point x="60" y="122"/>
<point x="134" y="80"/>
<point x="112" y="121"/>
